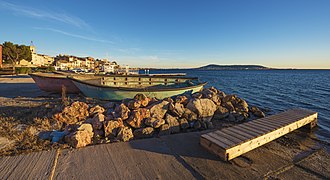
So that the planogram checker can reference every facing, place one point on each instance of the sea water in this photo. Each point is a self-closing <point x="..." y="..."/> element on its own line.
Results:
<point x="276" y="90"/>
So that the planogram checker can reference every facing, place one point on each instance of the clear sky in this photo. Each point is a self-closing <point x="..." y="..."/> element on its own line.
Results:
<point x="175" y="33"/>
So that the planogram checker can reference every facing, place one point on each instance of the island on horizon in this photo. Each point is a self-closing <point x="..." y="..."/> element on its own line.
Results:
<point x="222" y="67"/>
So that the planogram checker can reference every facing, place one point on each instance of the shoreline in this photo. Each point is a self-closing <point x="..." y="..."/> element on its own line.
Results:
<point x="290" y="148"/>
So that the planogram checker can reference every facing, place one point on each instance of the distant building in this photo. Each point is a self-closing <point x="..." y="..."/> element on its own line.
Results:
<point x="63" y="64"/>
<point x="24" y="63"/>
<point x="71" y="62"/>
<point x="109" y="67"/>
<point x="40" y="59"/>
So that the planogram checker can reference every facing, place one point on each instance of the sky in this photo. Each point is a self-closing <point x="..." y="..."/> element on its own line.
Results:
<point x="175" y="33"/>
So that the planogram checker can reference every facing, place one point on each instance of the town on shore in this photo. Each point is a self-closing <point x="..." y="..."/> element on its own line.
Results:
<point x="18" y="56"/>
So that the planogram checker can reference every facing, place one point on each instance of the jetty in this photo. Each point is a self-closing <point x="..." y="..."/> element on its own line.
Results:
<point x="232" y="142"/>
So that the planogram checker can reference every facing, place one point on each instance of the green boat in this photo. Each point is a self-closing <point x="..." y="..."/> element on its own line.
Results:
<point x="121" y="87"/>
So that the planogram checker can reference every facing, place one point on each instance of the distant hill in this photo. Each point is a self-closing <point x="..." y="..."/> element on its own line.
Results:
<point x="231" y="67"/>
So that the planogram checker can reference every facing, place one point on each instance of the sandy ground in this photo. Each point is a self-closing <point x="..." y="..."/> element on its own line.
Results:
<point x="298" y="155"/>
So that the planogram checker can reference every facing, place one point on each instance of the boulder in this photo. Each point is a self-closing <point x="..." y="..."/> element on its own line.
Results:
<point x="109" y="105"/>
<point x="153" y="101"/>
<point x="207" y="93"/>
<point x="257" y="112"/>
<point x="189" y="115"/>
<point x="169" y="99"/>
<point x="86" y="127"/>
<point x="111" y="128"/>
<point x="242" y="106"/>
<point x="231" y="118"/>
<point x="110" y="112"/>
<point x="70" y="128"/>
<point x="203" y="125"/>
<point x="144" y="132"/>
<point x="239" y="117"/>
<point x="143" y="99"/>
<point x="221" y="113"/>
<point x="96" y="110"/>
<point x="78" y="111"/>
<point x="183" y="99"/>
<point x="221" y="94"/>
<point x="136" y="117"/>
<point x="173" y="123"/>
<point x="159" y="109"/>
<point x="97" y="121"/>
<point x="80" y="138"/>
<point x="228" y="105"/>
<point x="205" y="108"/>
<point x="154" y="122"/>
<point x="164" y="130"/>
<point x="216" y="99"/>
<point x="197" y="125"/>
<point x="209" y="125"/>
<point x="229" y="98"/>
<point x="183" y="123"/>
<point x="121" y="111"/>
<point x="197" y="95"/>
<point x="215" y="90"/>
<point x="125" y="134"/>
<point x="98" y="133"/>
<point x="134" y="104"/>
<point x="176" y="109"/>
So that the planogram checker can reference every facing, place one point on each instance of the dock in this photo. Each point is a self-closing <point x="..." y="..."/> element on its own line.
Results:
<point x="229" y="143"/>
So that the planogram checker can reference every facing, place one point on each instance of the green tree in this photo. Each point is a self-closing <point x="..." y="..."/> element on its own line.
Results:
<point x="13" y="53"/>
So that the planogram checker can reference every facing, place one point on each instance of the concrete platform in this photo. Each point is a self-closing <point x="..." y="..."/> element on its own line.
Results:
<point x="177" y="156"/>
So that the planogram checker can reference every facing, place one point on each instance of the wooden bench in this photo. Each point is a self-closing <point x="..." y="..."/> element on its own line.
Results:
<point x="232" y="142"/>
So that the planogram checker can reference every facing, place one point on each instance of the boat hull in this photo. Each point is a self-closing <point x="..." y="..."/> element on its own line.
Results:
<point x="54" y="83"/>
<point x="117" y="94"/>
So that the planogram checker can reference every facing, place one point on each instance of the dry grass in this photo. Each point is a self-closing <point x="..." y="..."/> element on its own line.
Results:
<point x="21" y="121"/>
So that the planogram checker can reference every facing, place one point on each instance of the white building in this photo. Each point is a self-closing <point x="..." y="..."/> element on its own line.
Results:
<point x="109" y="67"/>
<point x="40" y="59"/>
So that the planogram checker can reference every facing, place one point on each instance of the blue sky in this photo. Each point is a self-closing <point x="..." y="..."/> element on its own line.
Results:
<point x="175" y="33"/>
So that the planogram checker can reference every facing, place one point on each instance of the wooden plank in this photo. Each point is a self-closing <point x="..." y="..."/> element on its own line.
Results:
<point x="265" y="120"/>
<point x="215" y="141"/>
<point x="212" y="148"/>
<point x="236" y="135"/>
<point x="278" y="118"/>
<point x="230" y="138"/>
<point x="261" y="127"/>
<point x="238" y="131"/>
<point x="221" y="139"/>
<point x="247" y="136"/>
<point x="270" y="124"/>
<point x="247" y="146"/>
<point x="37" y="165"/>
<point x="270" y="119"/>
<point x="249" y="129"/>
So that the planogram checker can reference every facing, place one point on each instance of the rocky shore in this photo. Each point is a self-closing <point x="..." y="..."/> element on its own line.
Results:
<point x="78" y="122"/>
<point x="27" y="116"/>
<point x="82" y="124"/>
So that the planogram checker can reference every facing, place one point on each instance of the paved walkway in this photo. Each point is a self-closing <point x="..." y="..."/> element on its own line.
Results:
<point x="170" y="157"/>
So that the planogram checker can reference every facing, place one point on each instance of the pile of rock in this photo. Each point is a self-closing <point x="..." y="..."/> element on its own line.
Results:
<point x="143" y="117"/>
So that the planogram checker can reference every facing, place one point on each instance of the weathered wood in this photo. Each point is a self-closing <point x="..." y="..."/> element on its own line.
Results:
<point x="37" y="165"/>
<point x="234" y="141"/>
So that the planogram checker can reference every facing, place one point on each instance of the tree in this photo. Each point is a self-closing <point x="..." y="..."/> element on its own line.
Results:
<point x="13" y="53"/>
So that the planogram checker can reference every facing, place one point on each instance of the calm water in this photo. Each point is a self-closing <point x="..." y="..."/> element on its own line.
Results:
<point x="276" y="90"/>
